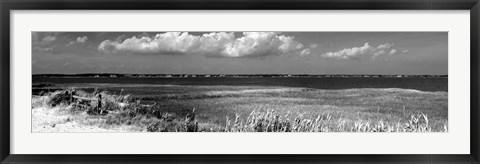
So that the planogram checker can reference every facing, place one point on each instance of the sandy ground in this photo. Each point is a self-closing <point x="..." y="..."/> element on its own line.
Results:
<point x="56" y="120"/>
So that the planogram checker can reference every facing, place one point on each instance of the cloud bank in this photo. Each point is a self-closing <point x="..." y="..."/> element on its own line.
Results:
<point x="215" y="44"/>
<point x="366" y="49"/>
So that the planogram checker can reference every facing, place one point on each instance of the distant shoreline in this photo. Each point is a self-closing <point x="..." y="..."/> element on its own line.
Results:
<point x="222" y="75"/>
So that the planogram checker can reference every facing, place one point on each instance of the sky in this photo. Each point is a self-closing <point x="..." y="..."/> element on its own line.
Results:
<point x="409" y="53"/>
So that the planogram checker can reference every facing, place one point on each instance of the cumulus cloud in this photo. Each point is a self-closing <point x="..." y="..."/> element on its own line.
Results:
<point x="385" y="46"/>
<point x="42" y="43"/>
<point x="37" y="41"/>
<point x="166" y="43"/>
<point x="366" y="49"/>
<point x="215" y="44"/>
<point x="82" y="39"/>
<point x="348" y="53"/>
<point x="392" y="52"/>
<point x="305" y="52"/>
<point x="78" y="41"/>
<point x="377" y="54"/>
<point x="47" y="40"/>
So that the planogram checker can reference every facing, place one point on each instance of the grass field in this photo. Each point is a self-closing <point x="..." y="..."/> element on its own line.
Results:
<point x="130" y="108"/>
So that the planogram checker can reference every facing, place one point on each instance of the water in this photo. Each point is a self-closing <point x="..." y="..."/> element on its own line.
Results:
<point x="418" y="83"/>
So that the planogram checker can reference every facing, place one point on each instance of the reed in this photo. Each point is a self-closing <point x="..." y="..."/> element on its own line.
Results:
<point x="269" y="121"/>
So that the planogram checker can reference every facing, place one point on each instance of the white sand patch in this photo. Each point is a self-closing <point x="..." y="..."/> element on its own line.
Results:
<point x="56" y="120"/>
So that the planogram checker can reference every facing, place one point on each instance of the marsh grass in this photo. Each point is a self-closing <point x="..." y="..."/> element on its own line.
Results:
<point x="274" y="110"/>
<point x="270" y="121"/>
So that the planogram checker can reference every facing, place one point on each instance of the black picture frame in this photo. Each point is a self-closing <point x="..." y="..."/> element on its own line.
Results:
<point x="5" y="83"/>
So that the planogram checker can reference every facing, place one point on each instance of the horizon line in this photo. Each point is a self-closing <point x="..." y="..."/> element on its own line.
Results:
<point x="223" y="74"/>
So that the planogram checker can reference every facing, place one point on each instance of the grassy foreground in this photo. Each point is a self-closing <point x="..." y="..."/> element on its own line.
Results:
<point x="240" y="109"/>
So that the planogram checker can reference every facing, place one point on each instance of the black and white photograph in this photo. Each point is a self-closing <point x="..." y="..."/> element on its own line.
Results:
<point x="239" y="81"/>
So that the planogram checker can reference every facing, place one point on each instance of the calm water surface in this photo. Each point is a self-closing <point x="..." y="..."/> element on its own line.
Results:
<point x="423" y="84"/>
